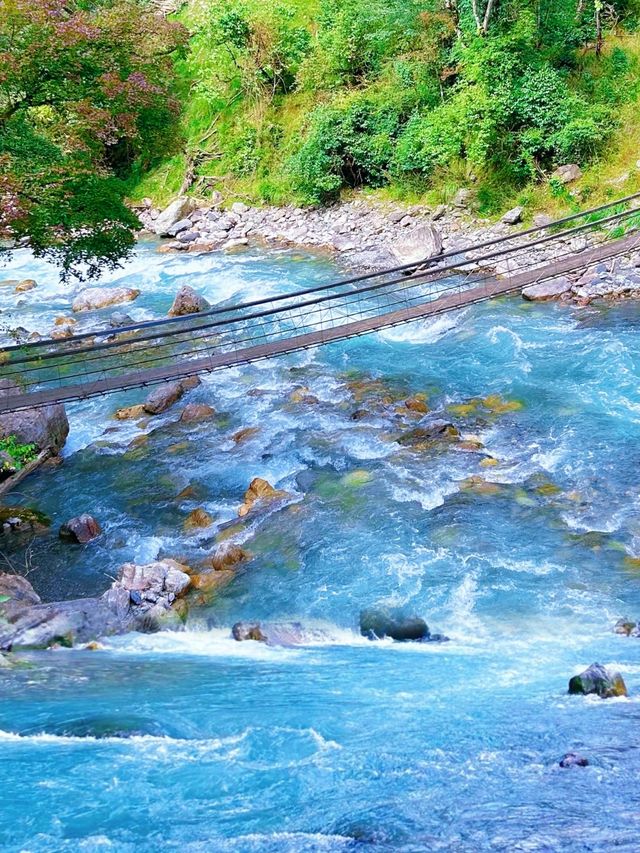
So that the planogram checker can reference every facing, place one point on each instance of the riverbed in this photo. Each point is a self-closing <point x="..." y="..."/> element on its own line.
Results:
<point x="519" y="541"/>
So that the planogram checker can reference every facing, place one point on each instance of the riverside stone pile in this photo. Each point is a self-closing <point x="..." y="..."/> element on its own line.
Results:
<point x="373" y="236"/>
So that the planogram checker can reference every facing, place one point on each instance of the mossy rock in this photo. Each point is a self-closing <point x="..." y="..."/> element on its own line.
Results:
<point x="30" y="519"/>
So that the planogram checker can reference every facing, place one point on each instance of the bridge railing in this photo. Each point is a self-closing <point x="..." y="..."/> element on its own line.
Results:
<point x="86" y="363"/>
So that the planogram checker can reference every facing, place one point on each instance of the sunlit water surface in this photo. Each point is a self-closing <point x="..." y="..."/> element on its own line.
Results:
<point x="346" y="745"/>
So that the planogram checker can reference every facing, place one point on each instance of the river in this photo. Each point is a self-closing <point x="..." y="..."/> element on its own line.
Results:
<point x="346" y="744"/>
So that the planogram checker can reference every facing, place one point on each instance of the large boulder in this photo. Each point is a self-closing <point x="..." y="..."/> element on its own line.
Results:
<point x="47" y="427"/>
<point x="16" y="594"/>
<point x="81" y="529"/>
<point x="141" y="599"/>
<point x="419" y="245"/>
<point x="164" y="396"/>
<point x="599" y="680"/>
<point x="179" y="209"/>
<point x="94" y="298"/>
<point x="153" y="581"/>
<point x="380" y="624"/>
<point x="547" y="290"/>
<point x="187" y="301"/>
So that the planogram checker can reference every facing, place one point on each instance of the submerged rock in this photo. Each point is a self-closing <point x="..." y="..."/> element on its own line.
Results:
<point x="187" y="301"/>
<point x="260" y="491"/>
<point x="599" y="680"/>
<point x="99" y="727"/>
<point x="434" y="431"/>
<point x="379" y="624"/>
<point x="627" y="628"/>
<point x="94" y="298"/>
<point x="227" y="556"/>
<point x="279" y="633"/>
<point x="196" y="412"/>
<point x="196" y="519"/>
<point x="573" y="759"/>
<point x="81" y="529"/>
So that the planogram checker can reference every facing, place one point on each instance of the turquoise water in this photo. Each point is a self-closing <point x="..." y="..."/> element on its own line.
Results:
<point x="346" y="745"/>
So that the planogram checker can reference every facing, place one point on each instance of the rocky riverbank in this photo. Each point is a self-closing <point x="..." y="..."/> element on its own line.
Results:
<point x="374" y="236"/>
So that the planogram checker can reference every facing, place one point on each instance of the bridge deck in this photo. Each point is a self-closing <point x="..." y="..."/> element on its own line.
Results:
<point x="452" y="297"/>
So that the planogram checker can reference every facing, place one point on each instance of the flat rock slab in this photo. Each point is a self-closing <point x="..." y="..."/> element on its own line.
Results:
<point x="547" y="290"/>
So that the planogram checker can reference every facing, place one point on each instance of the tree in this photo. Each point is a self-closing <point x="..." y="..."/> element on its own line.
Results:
<point x="84" y="92"/>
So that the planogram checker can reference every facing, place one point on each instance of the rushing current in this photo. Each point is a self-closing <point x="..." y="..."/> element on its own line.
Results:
<point x="525" y="562"/>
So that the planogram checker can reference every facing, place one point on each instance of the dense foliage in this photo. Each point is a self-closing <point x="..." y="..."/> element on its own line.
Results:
<point x="13" y="455"/>
<point x="84" y="92"/>
<point x="306" y="97"/>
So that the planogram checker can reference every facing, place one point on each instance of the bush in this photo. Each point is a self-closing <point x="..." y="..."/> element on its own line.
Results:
<point x="348" y="145"/>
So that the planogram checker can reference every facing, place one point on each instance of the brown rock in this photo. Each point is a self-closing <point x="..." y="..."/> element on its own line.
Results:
<point x="81" y="529"/>
<point x="198" y="518"/>
<point x="130" y="413"/>
<point x="187" y="301"/>
<point x="227" y="556"/>
<point x="245" y="434"/>
<point x="417" y="404"/>
<point x="195" y="412"/>
<point x="164" y="396"/>
<point x="259" y="491"/>
<point x="27" y="284"/>
<point x="94" y="298"/>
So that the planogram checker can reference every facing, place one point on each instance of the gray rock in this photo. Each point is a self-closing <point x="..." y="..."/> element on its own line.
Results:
<point x="599" y="680"/>
<point x="379" y="624"/>
<point x="279" y="633"/>
<point x="139" y="600"/>
<point x="419" y="245"/>
<point x="396" y="216"/>
<point x="47" y="427"/>
<point x="513" y="216"/>
<point x="462" y="198"/>
<point x="439" y="212"/>
<point x="541" y="220"/>
<point x="547" y="290"/>
<point x="239" y="208"/>
<point x="94" y="298"/>
<point x="177" y="227"/>
<point x="188" y="236"/>
<point x="118" y="319"/>
<point x="179" y="209"/>
<point x="81" y="529"/>
<point x="567" y="174"/>
<point x="164" y="396"/>
<point x="187" y="301"/>
<point x="573" y="759"/>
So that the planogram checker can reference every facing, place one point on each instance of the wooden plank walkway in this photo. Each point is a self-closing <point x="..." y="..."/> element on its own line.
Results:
<point x="490" y="288"/>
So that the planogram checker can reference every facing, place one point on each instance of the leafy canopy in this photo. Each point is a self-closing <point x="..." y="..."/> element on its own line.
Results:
<point x="84" y="92"/>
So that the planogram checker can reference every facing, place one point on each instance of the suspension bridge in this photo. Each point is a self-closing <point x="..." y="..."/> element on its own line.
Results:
<point x="95" y="363"/>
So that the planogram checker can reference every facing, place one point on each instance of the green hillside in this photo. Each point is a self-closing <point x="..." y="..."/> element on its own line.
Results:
<point x="303" y="100"/>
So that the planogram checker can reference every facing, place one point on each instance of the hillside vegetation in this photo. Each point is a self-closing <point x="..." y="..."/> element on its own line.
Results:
<point x="303" y="100"/>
